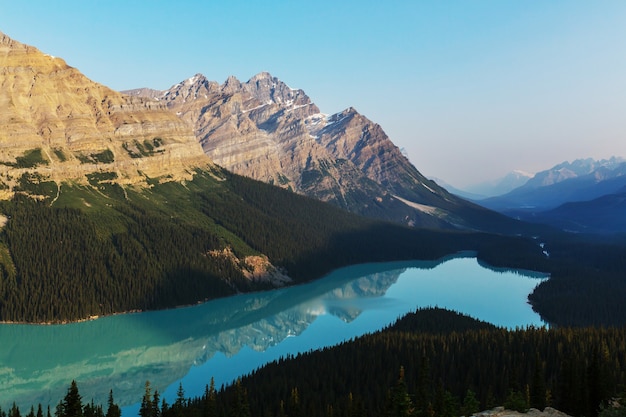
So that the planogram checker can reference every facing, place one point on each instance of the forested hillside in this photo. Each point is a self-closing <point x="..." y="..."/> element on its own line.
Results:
<point x="436" y="363"/>
<point x="73" y="251"/>
<point x="80" y="251"/>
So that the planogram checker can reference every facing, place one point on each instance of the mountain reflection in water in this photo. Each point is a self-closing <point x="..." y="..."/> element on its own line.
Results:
<point x="222" y="338"/>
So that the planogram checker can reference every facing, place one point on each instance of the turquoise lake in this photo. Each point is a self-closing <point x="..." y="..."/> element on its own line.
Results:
<point x="230" y="337"/>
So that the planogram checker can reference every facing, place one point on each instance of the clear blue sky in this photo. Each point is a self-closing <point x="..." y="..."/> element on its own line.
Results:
<point x="471" y="89"/>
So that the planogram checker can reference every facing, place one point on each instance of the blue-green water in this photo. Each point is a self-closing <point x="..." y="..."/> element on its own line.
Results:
<point x="230" y="337"/>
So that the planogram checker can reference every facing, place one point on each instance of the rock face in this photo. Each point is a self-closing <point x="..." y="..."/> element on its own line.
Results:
<point x="268" y="131"/>
<point x="58" y="124"/>
<point x="533" y="412"/>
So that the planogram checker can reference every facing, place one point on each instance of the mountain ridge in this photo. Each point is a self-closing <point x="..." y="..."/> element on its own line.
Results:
<point x="499" y="186"/>
<point x="271" y="132"/>
<point x="602" y="215"/>
<point x="580" y="180"/>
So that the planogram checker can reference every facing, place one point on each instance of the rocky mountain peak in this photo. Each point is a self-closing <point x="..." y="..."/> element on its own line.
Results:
<point x="263" y="75"/>
<point x="270" y="90"/>
<point x="190" y="89"/>
<point x="231" y="85"/>
<point x="577" y="168"/>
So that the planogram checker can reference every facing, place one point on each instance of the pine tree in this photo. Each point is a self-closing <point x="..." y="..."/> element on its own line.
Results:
<point x="145" y="410"/>
<point x="400" y="404"/>
<point x="294" y="409"/>
<point x="210" y="400"/>
<point x="14" y="411"/>
<point x="113" y="409"/>
<point x="470" y="403"/>
<point x="240" y="406"/>
<point x="72" y="404"/>
<point x="538" y="386"/>
<point x="156" y="412"/>
<point x="179" y="404"/>
<point x="59" y="411"/>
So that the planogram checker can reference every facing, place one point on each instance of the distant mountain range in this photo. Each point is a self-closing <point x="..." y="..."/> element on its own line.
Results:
<point x="487" y="189"/>
<point x="268" y="131"/>
<point x="583" y="196"/>
<point x="500" y="186"/>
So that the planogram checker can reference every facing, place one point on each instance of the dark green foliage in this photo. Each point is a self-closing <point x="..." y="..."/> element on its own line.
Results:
<point x="587" y="285"/>
<point x="138" y="149"/>
<point x="147" y="408"/>
<point x="102" y="248"/>
<point x="113" y="410"/>
<point x="209" y="400"/>
<point x="444" y="373"/>
<point x="133" y="151"/>
<point x="84" y="159"/>
<point x="399" y="402"/>
<point x="438" y="320"/>
<point x="616" y="407"/>
<point x="516" y="401"/>
<point x="471" y="404"/>
<point x="104" y="157"/>
<point x="32" y="183"/>
<point x="60" y="154"/>
<point x="310" y="238"/>
<point x="537" y="391"/>
<point x="97" y="177"/>
<point x="31" y="159"/>
<point x="65" y="268"/>
<point x="72" y="404"/>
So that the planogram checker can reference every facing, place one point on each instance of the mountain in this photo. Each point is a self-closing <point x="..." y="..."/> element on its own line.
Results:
<point x="268" y="131"/>
<point x="109" y="203"/>
<point x="576" y="169"/>
<point x="456" y="191"/>
<point x="581" y="180"/>
<point x="603" y="215"/>
<point x="509" y="182"/>
<point x="58" y="124"/>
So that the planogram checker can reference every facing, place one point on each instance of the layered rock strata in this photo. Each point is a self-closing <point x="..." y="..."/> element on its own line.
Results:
<point x="58" y="124"/>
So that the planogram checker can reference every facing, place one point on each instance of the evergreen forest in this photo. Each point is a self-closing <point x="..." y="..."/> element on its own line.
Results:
<point x="100" y="249"/>
<point x="69" y="252"/>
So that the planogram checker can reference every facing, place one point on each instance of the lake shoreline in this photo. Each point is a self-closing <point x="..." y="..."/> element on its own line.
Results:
<point x="445" y="258"/>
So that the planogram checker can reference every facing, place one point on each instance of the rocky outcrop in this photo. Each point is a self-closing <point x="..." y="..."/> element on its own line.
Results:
<point x="533" y="412"/>
<point x="59" y="125"/>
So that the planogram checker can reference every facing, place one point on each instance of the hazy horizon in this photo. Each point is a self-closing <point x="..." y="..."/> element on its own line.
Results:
<point x="471" y="90"/>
